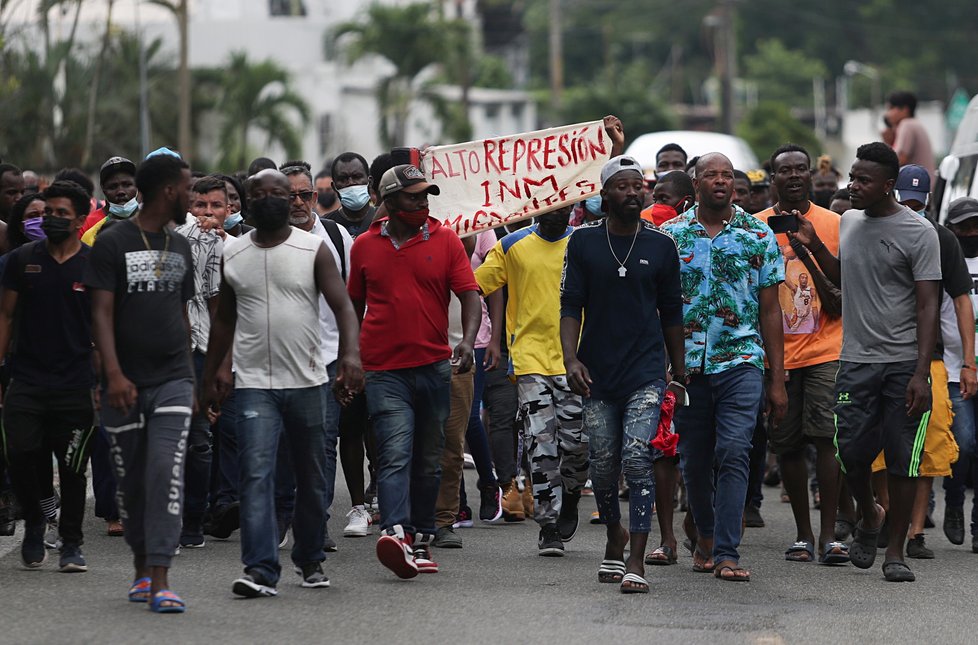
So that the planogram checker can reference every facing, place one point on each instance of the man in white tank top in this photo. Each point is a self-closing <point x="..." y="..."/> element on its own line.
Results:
<point x="269" y="305"/>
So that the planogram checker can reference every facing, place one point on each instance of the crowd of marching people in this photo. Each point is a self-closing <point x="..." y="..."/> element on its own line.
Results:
<point x="213" y="347"/>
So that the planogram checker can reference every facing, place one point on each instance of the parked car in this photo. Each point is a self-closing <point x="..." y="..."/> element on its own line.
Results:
<point x="695" y="143"/>
<point x="956" y="176"/>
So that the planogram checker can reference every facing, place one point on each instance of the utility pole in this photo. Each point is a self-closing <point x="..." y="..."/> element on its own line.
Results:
<point x="728" y="64"/>
<point x="183" y="134"/>
<point x="556" y="59"/>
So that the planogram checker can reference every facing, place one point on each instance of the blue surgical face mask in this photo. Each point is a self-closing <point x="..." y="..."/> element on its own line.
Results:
<point x="593" y="204"/>
<point x="123" y="211"/>
<point x="233" y="220"/>
<point x="354" y="198"/>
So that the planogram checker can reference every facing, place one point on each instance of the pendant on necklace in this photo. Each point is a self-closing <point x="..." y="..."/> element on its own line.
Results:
<point x="621" y="271"/>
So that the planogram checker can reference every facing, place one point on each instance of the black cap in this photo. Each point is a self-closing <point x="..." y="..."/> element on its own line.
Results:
<point x="961" y="209"/>
<point x="114" y="165"/>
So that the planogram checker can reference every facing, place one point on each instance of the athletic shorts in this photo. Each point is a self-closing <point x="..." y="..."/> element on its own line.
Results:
<point x="811" y="398"/>
<point x="871" y="415"/>
<point x="940" y="448"/>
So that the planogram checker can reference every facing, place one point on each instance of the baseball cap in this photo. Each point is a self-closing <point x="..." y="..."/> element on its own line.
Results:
<point x="961" y="209"/>
<point x="758" y="178"/>
<point x="616" y="165"/>
<point x="114" y="165"/>
<point x="408" y="178"/>
<point x="913" y="182"/>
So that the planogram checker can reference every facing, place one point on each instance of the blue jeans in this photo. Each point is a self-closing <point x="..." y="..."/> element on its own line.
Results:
<point x="475" y="434"/>
<point x="224" y="489"/>
<point x="620" y="433"/>
<point x="717" y="428"/>
<point x="263" y="417"/>
<point x="966" y="434"/>
<point x="408" y="408"/>
<point x="284" y="477"/>
<point x="198" y="473"/>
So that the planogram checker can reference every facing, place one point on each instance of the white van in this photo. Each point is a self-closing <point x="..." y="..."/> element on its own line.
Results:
<point x="956" y="176"/>
<point x="695" y="144"/>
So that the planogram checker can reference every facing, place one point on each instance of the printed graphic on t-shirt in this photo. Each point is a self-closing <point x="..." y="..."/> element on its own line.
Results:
<point x="800" y="306"/>
<point x="148" y="271"/>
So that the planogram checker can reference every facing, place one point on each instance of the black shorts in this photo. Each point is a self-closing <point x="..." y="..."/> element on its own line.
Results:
<point x="871" y="415"/>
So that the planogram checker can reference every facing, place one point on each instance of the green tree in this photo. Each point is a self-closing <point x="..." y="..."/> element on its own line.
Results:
<point x="629" y="96"/>
<point x="257" y="96"/>
<point x="783" y="75"/>
<point x="769" y="125"/>
<point x="410" y="38"/>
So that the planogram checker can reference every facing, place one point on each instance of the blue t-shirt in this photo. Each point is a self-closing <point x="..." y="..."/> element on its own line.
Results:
<point x="621" y="341"/>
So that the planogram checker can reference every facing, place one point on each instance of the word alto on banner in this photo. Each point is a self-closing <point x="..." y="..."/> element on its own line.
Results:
<point x="485" y="184"/>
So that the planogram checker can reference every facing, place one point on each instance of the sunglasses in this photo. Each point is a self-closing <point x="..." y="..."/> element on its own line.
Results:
<point x="305" y="195"/>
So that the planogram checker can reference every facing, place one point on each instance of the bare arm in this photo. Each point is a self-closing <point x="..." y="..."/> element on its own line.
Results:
<point x="349" y="372"/>
<point x="772" y="333"/>
<point x="497" y="322"/>
<point x="8" y="306"/>
<point x="965" y="315"/>
<point x="217" y="365"/>
<point x="918" y="390"/>
<point x="120" y="391"/>
<point x="578" y="377"/>
<point x="471" y="320"/>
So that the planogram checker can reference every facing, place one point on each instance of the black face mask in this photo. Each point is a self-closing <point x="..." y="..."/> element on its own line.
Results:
<point x="269" y="213"/>
<point x="327" y="201"/>
<point x="822" y="198"/>
<point x="969" y="244"/>
<point x="57" y="229"/>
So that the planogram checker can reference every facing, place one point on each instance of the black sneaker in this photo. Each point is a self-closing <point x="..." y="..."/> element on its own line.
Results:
<point x="312" y="576"/>
<point x="192" y="541"/>
<point x="72" y="560"/>
<point x="491" y="504"/>
<point x="549" y="542"/>
<point x="917" y="549"/>
<point x="224" y="521"/>
<point x="32" y="551"/>
<point x="568" y="519"/>
<point x="752" y="517"/>
<point x="954" y="524"/>
<point x="253" y="585"/>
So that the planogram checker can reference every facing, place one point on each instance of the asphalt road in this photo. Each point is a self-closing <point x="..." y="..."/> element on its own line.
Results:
<point x="497" y="590"/>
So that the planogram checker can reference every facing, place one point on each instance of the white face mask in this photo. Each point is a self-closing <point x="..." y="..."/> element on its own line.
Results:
<point x="123" y="211"/>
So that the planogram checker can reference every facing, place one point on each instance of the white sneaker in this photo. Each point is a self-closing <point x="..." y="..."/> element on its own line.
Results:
<point x="359" y="524"/>
<point x="468" y="461"/>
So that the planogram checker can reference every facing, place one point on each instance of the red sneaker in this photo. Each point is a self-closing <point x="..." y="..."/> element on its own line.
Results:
<point x="394" y="552"/>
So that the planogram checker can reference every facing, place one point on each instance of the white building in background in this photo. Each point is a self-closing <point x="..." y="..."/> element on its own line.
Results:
<point x="343" y="110"/>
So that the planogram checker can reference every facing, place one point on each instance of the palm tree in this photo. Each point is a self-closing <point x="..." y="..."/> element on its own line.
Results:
<point x="410" y="38"/>
<point x="257" y="96"/>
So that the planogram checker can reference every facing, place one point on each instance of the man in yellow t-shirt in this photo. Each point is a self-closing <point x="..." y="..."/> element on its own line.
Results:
<point x="529" y="263"/>
<point x="812" y="342"/>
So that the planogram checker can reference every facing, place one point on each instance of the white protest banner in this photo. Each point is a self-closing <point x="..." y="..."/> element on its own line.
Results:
<point x="488" y="183"/>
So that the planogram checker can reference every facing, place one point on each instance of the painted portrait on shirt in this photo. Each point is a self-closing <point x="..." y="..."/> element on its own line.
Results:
<point x="800" y="306"/>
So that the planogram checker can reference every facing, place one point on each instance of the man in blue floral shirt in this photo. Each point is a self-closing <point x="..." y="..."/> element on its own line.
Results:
<point x="731" y="267"/>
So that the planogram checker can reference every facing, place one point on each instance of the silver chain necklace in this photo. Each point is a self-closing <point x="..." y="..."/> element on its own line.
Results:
<point x="621" y="263"/>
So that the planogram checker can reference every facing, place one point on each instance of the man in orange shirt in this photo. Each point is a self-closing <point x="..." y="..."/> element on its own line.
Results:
<point x="812" y="342"/>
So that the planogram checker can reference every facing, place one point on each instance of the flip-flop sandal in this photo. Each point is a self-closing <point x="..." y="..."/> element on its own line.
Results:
<point x="862" y="551"/>
<point x="795" y="551"/>
<point x="843" y="529"/>
<point x="718" y="573"/>
<point x="176" y="604"/>
<point x="611" y="571"/>
<point x="834" y="553"/>
<point x="702" y="567"/>
<point x="139" y="591"/>
<point x="634" y="583"/>
<point x="897" y="571"/>
<point x="663" y="556"/>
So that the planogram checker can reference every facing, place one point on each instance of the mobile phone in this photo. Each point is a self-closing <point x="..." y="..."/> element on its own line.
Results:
<point x="402" y="156"/>
<point x="783" y="223"/>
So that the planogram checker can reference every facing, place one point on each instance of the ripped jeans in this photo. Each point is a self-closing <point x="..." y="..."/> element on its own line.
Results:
<point x="619" y="433"/>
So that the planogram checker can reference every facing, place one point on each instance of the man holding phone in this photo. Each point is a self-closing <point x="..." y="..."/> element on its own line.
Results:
<point x="812" y="342"/>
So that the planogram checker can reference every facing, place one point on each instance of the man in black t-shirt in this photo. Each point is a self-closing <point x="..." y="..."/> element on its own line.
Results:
<point x="621" y="278"/>
<point x="141" y="276"/>
<point x="351" y="178"/>
<point x="48" y="406"/>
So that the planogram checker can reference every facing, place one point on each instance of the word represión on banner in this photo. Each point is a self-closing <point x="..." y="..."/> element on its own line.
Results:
<point x="489" y="183"/>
